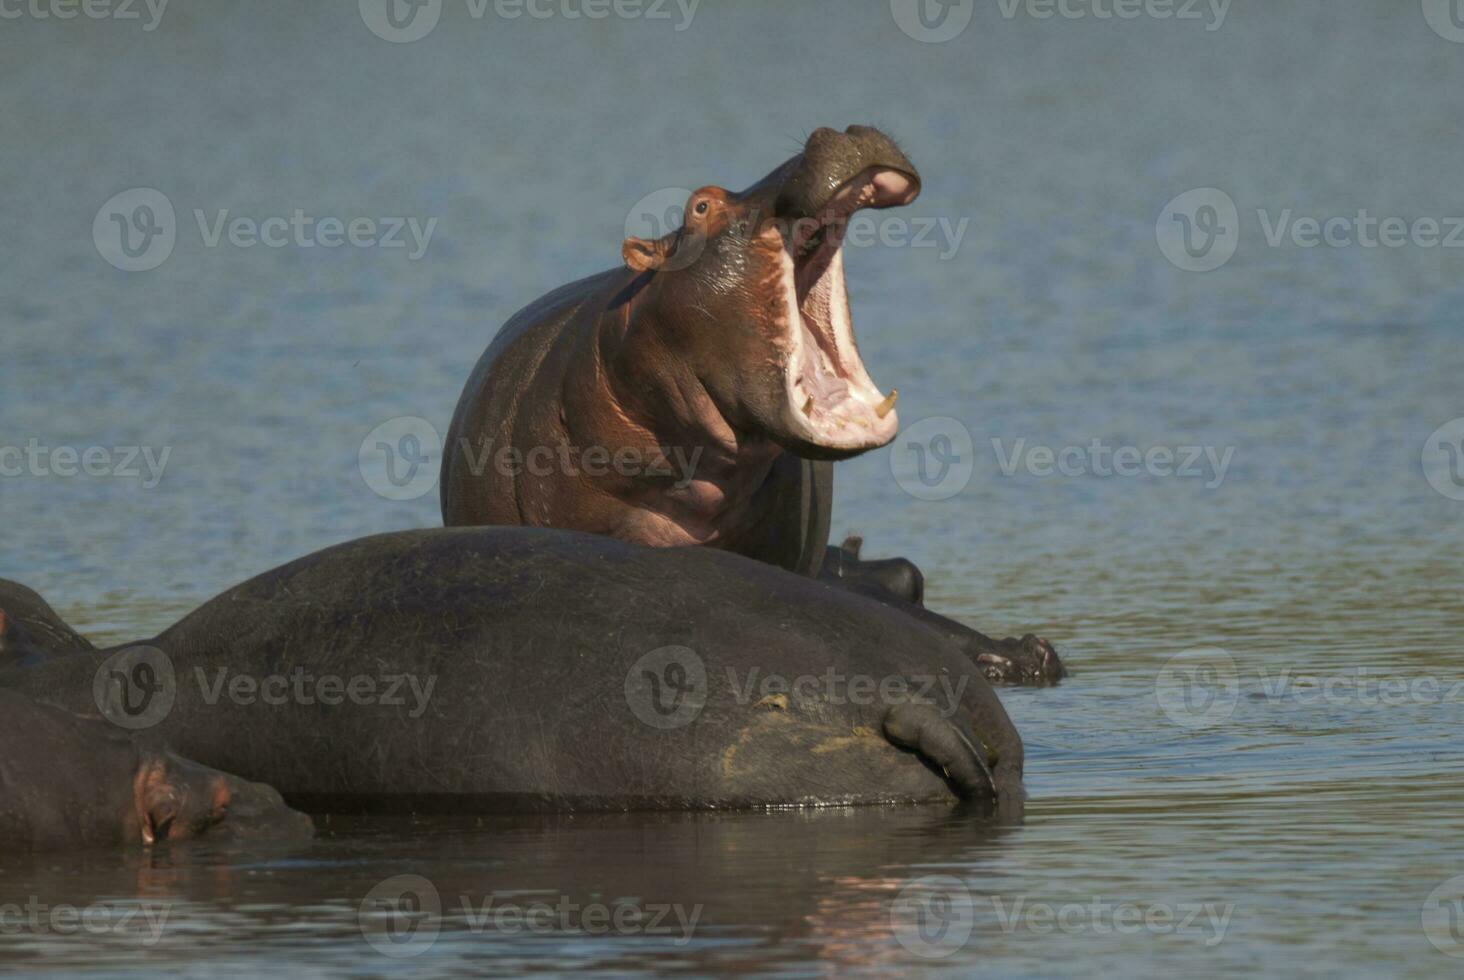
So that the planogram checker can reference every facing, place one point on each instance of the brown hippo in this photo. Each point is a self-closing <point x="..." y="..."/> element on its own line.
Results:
<point x="699" y="394"/>
<point x="69" y="782"/>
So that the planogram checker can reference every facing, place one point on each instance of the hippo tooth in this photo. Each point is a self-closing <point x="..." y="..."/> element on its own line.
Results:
<point x="883" y="408"/>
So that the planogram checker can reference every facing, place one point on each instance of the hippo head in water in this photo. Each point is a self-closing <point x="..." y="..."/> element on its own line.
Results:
<point x="749" y="295"/>
<point x="68" y="781"/>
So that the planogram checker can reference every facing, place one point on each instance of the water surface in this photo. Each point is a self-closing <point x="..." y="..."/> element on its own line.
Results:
<point x="1304" y="812"/>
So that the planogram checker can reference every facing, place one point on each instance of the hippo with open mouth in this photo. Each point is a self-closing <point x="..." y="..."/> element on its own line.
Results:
<point x="699" y="395"/>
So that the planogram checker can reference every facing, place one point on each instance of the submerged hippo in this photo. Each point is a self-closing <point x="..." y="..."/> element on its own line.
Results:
<point x="470" y="669"/>
<point x="700" y="394"/>
<point x="71" y="782"/>
<point x="30" y="630"/>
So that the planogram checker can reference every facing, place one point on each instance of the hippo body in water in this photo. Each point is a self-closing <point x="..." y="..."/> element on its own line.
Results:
<point x="70" y="782"/>
<point x="473" y="669"/>
<point x="700" y="394"/>
<point x="30" y="630"/>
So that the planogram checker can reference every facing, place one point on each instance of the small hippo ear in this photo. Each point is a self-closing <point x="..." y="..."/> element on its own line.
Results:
<point x="644" y="254"/>
<point x="219" y="801"/>
<point x="158" y="801"/>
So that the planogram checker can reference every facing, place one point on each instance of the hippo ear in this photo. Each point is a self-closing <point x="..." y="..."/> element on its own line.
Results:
<point x="177" y="798"/>
<point x="158" y="801"/>
<point x="644" y="254"/>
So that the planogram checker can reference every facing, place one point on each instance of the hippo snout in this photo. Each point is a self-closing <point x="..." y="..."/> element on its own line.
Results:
<point x="831" y="160"/>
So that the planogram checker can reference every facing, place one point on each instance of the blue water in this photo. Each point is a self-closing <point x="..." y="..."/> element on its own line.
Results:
<point x="1323" y="817"/>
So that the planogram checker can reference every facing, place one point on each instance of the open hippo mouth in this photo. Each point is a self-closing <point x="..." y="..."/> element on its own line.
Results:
<point x="833" y="404"/>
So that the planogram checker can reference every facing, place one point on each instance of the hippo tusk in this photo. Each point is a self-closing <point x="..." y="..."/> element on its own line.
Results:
<point x="808" y="407"/>
<point x="883" y="408"/>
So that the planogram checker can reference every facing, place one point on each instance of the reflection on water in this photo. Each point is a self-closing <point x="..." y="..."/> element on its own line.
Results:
<point x="1227" y="767"/>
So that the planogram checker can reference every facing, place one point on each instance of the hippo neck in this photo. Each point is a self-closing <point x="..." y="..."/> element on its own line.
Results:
<point x="625" y="391"/>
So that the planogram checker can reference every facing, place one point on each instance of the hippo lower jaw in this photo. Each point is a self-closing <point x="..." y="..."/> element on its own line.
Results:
<point x="833" y="409"/>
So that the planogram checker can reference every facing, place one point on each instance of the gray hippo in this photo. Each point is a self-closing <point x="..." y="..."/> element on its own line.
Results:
<point x="505" y="668"/>
<point x="70" y="782"/>
<point x="30" y="630"/>
<point x="699" y="394"/>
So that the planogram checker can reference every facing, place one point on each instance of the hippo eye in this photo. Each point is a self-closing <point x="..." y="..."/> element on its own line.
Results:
<point x="701" y="207"/>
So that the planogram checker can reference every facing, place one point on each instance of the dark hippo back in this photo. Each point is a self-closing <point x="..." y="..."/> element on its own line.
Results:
<point x="470" y="668"/>
<point x="30" y="630"/>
